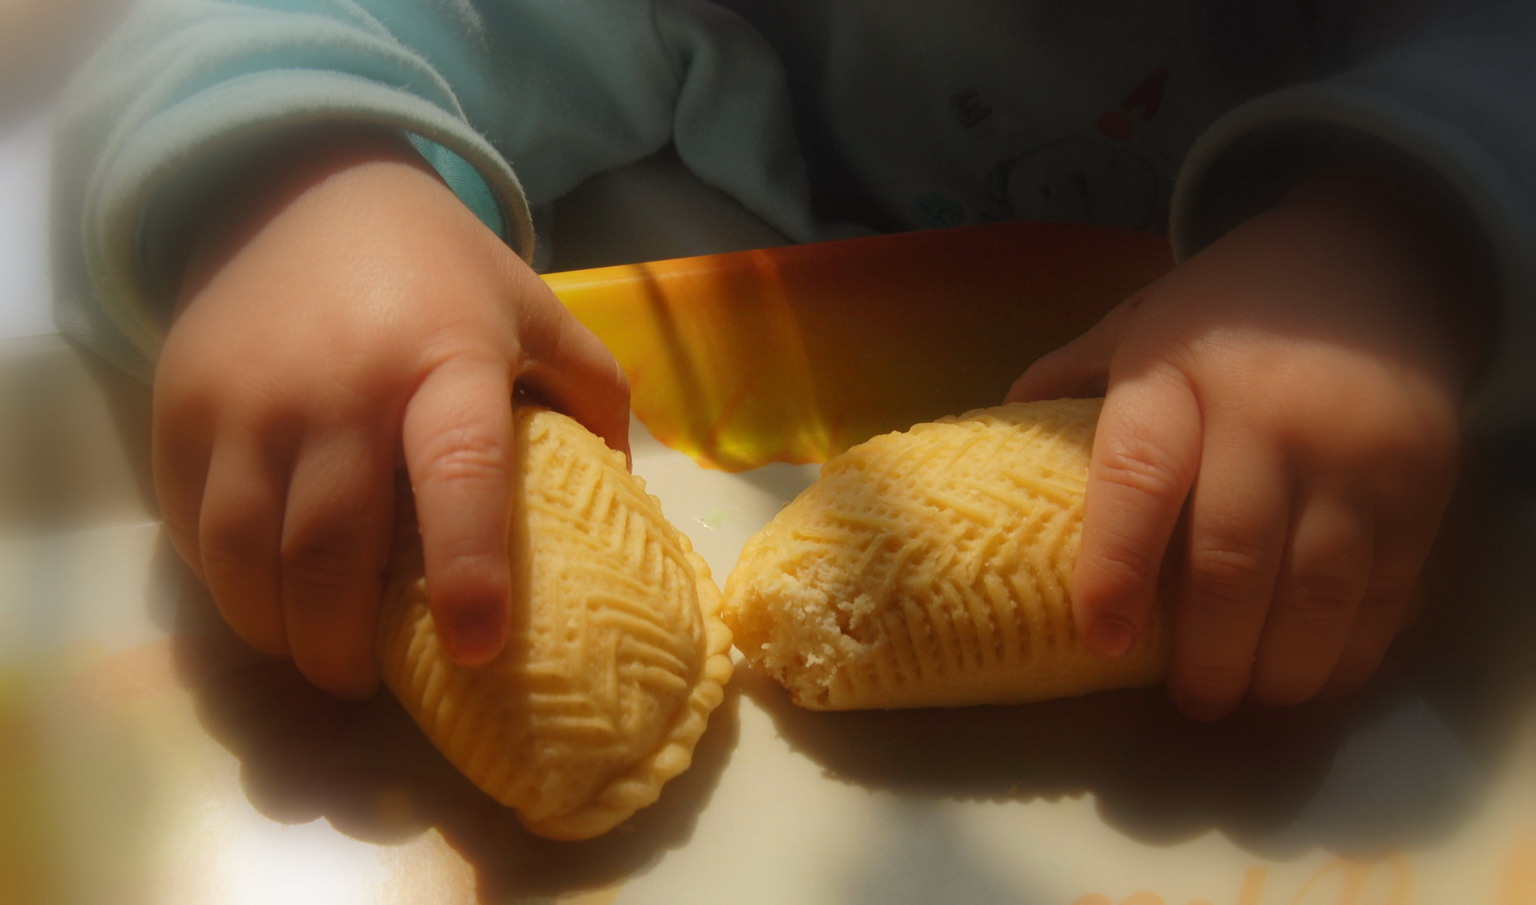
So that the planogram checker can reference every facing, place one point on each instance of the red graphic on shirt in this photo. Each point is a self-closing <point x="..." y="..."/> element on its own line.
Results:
<point x="1146" y="96"/>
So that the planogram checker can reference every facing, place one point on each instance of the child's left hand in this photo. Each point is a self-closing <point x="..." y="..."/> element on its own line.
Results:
<point x="1285" y="404"/>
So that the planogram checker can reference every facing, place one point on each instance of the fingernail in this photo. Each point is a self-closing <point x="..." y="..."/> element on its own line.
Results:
<point x="1111" y="636"/>
<point x="474" y="635"/>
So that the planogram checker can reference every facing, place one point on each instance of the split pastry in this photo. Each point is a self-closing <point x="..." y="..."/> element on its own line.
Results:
<point x="932" y="568"/>
<point x="617" y="654"/>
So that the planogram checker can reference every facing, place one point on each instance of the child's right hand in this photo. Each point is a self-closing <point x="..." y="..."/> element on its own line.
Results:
<point x="355" y="317"/>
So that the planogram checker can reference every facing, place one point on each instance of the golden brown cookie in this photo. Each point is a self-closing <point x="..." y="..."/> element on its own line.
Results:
<point x="617" y="654"/>
<point x="932" y="568"/>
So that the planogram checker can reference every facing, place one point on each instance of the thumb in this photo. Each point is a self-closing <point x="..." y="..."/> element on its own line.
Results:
<point x="1078" y="369"/>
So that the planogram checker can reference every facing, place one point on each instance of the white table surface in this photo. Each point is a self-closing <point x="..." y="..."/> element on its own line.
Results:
<point x="167" y="787"/>
<point x="24" y="293"/>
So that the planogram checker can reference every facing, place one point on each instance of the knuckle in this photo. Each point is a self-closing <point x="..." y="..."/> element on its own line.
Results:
<point x="1118" y="570"/>
<point x="1323" y="597"/>
<point x="266" y="415"/>
<point x="322" y="556"/>
<point x="462" y="353"/>
<point x="356" y="389"/>
<point x="1210" y="682"/>
<point x="1229" y="571"/>
<point x="1128" y="567"/>
<point x="223" y="558"/>
<point x="229" y="540"/>
<point x="1143" y="467"/>
<point x="283" y="410"/>
<point x="463" y="456"/>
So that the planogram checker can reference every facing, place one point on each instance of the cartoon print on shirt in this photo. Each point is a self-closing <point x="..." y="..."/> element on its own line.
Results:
<point x="936" y="211"/>
<point x="972" y="109"/>
<point x="1077" y="180"/>
<point x="1147" y="97"/>
<point x="1083" y="180"/>
<point x="968" y="108"/>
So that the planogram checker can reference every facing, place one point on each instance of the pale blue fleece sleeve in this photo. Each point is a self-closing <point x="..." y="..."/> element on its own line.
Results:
<point x="1455" y="94"/>
<point x="513" y="101"/>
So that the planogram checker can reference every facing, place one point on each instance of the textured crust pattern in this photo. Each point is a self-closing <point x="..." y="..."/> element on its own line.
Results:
<point x="933" y="567"/>
<point x="617" y="654"/>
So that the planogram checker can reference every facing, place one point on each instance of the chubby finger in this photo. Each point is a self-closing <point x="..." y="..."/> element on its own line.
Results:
<point x="1238" y="519"/>
<point x="1405" y="530"/>
<point x="1145" y="453"/>
<point x="458" y="438"/>
<point x="1382" y="614"/>
<point x="335" y="541"/>
<point x="1077" y="369"/>
<point x="239" y="531"/>
<point x="573" y="371"/>
<point x="1318" y="595"/>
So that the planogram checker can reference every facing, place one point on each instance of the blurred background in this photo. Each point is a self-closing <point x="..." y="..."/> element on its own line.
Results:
<point x="41" y="41"/>
<point x="146" y="756"/>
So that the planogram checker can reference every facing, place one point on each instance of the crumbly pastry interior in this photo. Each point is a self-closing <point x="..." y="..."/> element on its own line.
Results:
<point x="617" y="653"/>
<point x="932" y="568"/>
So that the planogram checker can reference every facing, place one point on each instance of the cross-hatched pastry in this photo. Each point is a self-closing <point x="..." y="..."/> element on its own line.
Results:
<point x="617" y="653"/>
<point x="932" y="568"/>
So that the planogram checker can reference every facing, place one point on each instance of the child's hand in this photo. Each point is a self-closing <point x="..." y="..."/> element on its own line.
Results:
<point x="360" y="317"/>
<point x="1283" y="407"/>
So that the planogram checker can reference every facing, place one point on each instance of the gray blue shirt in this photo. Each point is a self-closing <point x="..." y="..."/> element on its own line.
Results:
<point x="823" y="118"/>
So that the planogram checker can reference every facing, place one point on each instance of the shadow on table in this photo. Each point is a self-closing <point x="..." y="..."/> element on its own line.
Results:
<point x="1471" y="649"/>
<point x="1397" y="766"/>
<point x="369" y="771"/>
